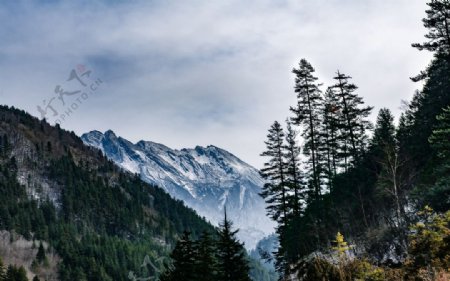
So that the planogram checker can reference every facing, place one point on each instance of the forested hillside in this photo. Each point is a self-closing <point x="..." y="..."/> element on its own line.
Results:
<point x="364" y="201"/>
<point x="102" y="222"/>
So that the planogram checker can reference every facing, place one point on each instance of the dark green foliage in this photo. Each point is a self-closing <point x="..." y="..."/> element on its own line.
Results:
<point x="307" y="114"/>
<point x="440" y="137"/>
<point x="388" y="164"/>
<point x="207" y="259"/>
<point x="231" y="256"/>
<point x="294" y="178"/>
<point x="439" y="194"/>
<point x="184" y="261"/>
<point x="106" y="221"/>
<point x="14" y="273"/>
<point x="373" y="184"/>
<point x="437" y="22"/>
<point x="284" y="190"/>
<point x="40" y="256"/>
<point x="329" y="133"/>
<point x="384" y="133"/>
<point x="274" y="172"/>
<point x="353" y="124"/>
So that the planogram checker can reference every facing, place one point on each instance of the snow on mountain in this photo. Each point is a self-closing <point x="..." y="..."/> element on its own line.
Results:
<point x="206" y="178"/>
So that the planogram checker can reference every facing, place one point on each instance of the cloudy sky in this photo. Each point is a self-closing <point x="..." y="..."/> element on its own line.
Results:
<point x="188" y="72"/>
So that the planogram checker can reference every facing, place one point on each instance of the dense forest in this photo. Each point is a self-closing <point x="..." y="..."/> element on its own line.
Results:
<point x="97" y="221"/>
<point x="352" y="199"/>
<point x="102" y="222"/>
<point x="363" y="201"/>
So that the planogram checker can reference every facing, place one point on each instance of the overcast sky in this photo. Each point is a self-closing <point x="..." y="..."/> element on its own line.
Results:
<point x="187" y="73"/>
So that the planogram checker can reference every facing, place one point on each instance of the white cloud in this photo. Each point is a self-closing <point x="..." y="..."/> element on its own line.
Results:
<point x="205" y="72"/>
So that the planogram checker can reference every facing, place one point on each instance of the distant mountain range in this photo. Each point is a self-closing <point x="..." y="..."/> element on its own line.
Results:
<point x="207" y="179"/>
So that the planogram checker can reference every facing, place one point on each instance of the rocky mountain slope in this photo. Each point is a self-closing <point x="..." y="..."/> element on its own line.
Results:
<point x="208" y="179"/>
<point x="101" y="221"/>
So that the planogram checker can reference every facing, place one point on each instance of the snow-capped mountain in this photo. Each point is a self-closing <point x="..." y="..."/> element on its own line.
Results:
<point x="207" y="179"/>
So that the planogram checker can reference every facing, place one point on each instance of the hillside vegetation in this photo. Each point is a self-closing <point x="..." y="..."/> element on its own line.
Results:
<point x="102" y="222"/>
<point x="370" y="201"/>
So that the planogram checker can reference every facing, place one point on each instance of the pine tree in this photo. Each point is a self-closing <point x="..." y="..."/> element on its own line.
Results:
<point x="384" y="133"/>
<point x="354" y="123"/>
<point x="274" y="172"/>
<point x="184" y="263"/>
<point x="16" y="274"/>
<point x="307" y="114"/>
<point x="40" y="256"/>
<point x="384" y="150"/>
<point x="206" y="258"/>
<point x="440" y="138"/>
<point x="232" y="260"/>
<point x="437" y="21"/>
<point x="440" y="143"/>
<point x="329" y="133"/>
<point x="293" y="174"/>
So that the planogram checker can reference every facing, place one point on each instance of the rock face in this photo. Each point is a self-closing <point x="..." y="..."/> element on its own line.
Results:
<point x="207" y="179"/>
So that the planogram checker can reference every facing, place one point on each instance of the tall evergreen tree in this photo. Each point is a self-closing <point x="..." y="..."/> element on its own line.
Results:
<point x="384" y="150"/>
<point x="40" y="256"/>
<point x="329" y="133"/>
<point x="437" y="22"/>
<point x="184" y="263"/>
<point x="297" y="194"/>
<point x="354" y="123"/>
<point x="384" y="133"/>
<point x="440" y="143"/>
<point x="307" y="114"/>
<point x="440" y="138"/>
<point x="232" y="259"/>
<point x="274" y="172"/>
<point x="206" y="258"/>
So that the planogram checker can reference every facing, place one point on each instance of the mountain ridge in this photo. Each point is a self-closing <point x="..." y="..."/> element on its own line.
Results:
<point x="206" y="178"/>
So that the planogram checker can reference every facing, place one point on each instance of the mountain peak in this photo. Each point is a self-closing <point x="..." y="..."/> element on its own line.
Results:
<point x="205" y="178"/>
<point x="110" y="134"/>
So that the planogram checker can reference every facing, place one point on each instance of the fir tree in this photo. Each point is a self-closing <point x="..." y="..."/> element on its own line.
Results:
<point x="40" y="256"/>
<point x="293" y="174"/>
<point x="307" y="114"/>
<point x="437" y="21"/>
<point x="440" y="138"/>
<point x="329" y="133"/>
<point x="354" y="123"/>
<point x="384" y="150"/>
<point x="16" y="274"/>
<point x="440" y="143"/>
<point x="206" y="259"/>
<point x="184" y="263"/>
<point x="274" y="172"/>
<point x="232" y="260"/>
